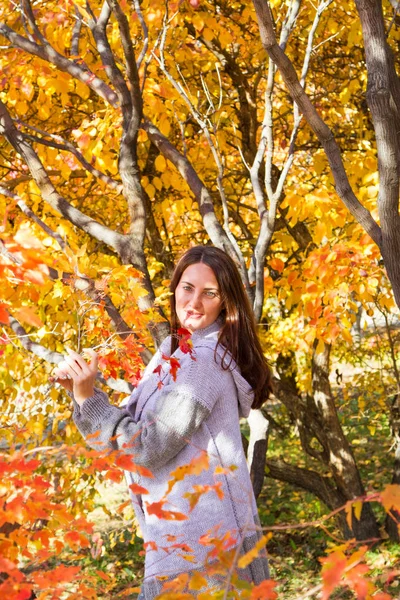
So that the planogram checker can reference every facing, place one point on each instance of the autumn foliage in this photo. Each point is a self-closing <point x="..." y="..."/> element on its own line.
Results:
<point x="132" y="130"/>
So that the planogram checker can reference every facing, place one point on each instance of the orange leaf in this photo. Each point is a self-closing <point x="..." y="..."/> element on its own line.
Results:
<point x="264" y="591"/>
<point x="29" y="316"/>
<point x="390" y="497"/>
<point x="277" y="264"/>
<point x="156" y="508"/>
<point x="137" y="489"/>
<point x="4" y="317"/>
<point x="198" y="464"/>
<point x="332" y="571"/>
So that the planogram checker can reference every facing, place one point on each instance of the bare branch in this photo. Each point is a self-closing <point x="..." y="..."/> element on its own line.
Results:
<point x="29" y="213"/>
<point x="289" y="22"/>
<point x="76" y="33"/>
<point x="217" y="159"/>
<point x="114" y="74"/>
<point x="131" y="68"/>
<point x="26" y="10"/>
<point x="396" y="7"/>
<point x="139" y="13"/>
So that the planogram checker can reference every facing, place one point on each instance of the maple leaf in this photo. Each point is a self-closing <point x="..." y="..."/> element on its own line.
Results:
<point x="174" y="366"/>
<point x="137" y="489"/>
<point x="156" y="508"/>
<point x="126" y="462"/>
<point x="151" y="545"/>
<point x="197" y="465"/>
<point x="199" y="490"/>
<point x="390" y="497"/>
<point x="333" y="567"/>
<point x="264" y="591"/>
<point x="178" y="584"/>
<point x="158" y="369"/>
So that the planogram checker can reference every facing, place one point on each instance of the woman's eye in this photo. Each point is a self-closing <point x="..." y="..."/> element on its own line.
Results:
<point x="211" y="294"/>
<point x="187" y="288"/>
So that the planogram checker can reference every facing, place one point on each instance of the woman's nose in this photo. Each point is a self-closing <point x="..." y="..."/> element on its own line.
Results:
<point x="195" y="300"/>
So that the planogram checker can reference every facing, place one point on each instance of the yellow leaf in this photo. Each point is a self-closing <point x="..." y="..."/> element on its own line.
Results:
<point x="247" y="558"/>
<point x="165" y="127"/>
<point x="82" y="90"/>
<point x="357" y="509"/>
<point x="208" y="34"/>
<point x="157" y="183"/>
<point x="160" y="163"/>
<point x="197" y="581"/>
<point x="44" y="111"/>
<point x="150" y="191"/>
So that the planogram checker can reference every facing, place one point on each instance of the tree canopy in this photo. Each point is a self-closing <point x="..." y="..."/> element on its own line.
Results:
<point x="131" y="130"/>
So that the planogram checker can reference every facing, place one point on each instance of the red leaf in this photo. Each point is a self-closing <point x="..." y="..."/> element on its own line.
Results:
<point x="4" y="317"/>
<point x="138" y="489"/>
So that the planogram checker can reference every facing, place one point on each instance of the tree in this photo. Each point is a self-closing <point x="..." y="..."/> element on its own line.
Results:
<point x="131" y="130"/>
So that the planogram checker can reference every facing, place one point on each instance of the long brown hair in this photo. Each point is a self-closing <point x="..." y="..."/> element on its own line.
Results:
<point x="238" y="333"/>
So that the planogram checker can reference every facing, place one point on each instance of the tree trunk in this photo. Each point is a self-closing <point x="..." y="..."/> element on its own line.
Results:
<point x="317" y="421"/>
<point x="383" y="98"/>
<point x="257" y="449"/>
<point x="341" y="460"/>
<point x="392" y="523"/>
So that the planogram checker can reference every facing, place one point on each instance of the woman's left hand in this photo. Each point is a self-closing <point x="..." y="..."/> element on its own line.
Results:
<point x="76" y="375"/>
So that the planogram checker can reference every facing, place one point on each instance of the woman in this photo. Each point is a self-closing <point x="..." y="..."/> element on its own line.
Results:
<point x="188" y="418"/>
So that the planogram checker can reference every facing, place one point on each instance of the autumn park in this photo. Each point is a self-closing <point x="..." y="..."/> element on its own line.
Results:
<point x="130" y="132"/>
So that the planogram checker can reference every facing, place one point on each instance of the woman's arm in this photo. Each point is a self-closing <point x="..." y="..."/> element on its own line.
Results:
<point x="180" y="409"/>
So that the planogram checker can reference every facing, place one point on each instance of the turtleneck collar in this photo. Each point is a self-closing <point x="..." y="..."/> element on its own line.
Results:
<point x="200" y="334"/>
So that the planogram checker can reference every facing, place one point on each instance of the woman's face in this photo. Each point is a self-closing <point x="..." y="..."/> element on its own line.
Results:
<point x="197" y="297"/>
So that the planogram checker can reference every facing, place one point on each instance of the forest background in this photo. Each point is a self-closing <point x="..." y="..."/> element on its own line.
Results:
<point x="130" y="131"/>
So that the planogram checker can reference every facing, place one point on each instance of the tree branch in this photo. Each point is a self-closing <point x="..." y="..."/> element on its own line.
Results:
<point x="62" y="144"/>
<point x="49" y="193"/>
<point x="98" y="29"/>
<point x="131" y="68"/>
<point x="48" y="53"/>
<point x="306" y="479"/>
<point x="76" y="33"/>
<point x="138" y="11"/>
<point x="77" y="280"/>
<point x="56" y="357"/>
<point x="201" y="193"/>
<point x="324" y="134"/>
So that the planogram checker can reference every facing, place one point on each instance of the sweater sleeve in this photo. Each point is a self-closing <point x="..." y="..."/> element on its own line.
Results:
<point x="181" y="407"/>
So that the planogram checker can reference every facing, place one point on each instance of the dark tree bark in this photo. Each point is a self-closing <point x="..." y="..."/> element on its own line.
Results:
<point x="392" y="523"/>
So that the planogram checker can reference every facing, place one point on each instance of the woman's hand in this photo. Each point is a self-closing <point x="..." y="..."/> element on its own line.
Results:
<point x="76" y="375"/>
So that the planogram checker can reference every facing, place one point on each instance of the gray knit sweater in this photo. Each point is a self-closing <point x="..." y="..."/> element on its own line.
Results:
<point x="165" y="427"/>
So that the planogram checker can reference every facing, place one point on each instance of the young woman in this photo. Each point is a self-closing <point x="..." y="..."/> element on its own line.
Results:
<point x="193" y="419"/>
